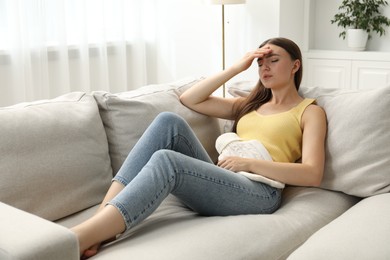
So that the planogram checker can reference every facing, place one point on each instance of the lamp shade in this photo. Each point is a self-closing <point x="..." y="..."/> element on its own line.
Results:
<point x="226" y="2"/>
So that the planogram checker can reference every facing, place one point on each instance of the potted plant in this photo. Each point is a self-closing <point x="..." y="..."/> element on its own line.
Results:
<point x="359" y="18"/>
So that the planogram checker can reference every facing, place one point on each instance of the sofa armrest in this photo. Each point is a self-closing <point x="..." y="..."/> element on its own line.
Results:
<point x="26" y="236"/>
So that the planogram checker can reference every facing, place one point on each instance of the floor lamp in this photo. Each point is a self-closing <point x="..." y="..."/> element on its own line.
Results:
<point x="223" y="3"/>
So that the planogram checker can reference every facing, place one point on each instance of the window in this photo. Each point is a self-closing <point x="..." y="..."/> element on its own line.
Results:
<point x="54" y="22"/>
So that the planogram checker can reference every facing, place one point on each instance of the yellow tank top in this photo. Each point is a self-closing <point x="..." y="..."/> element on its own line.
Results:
<point x="280" y="133"/>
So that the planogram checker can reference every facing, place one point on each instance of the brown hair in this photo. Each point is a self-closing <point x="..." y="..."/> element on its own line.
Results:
<point x="261" y="95"/>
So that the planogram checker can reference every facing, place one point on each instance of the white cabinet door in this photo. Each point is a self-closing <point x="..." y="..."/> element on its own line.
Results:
<point x="328" y="73"/>
<point x="370" y="74"/>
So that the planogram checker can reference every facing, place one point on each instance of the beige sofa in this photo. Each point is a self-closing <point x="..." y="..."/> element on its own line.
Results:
<point x="57" y="158"/>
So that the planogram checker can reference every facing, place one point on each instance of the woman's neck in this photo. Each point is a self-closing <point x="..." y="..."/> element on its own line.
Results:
<point x="285" y="96"/>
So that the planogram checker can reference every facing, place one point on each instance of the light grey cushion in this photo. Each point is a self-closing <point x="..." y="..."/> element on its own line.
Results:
<point x="174" y="232"/>
<point x="241" y="88"/>
<point x="358" y="139"/>
<point x="53" y="156"/>
<point x="363" y="232"/>
<point x="127" y="115"/>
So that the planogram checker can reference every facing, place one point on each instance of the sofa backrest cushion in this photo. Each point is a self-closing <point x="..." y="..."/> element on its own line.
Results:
<point x="54" y="157"/>
<point x="358" y="139"/>
<point x="126" y="116"/>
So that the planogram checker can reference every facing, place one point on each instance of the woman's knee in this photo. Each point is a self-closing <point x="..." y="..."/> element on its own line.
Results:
<point x="162" y="165"/>
<point x="163" y="157"/>
<point x="169" y="118"/>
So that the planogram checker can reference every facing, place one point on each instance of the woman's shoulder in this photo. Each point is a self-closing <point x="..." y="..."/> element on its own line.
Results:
<point x="314" y="108"/>
<point x="313" y="113"/>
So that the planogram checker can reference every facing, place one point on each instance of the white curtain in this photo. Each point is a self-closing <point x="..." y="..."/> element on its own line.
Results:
<point x="51" y="47"/>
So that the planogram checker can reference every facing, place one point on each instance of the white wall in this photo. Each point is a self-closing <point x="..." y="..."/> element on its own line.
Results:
<point x="194" y="45"/>
<point x="292" y="21"/>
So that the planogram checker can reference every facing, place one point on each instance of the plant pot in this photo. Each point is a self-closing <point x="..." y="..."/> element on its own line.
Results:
<point x="357" y="39"/>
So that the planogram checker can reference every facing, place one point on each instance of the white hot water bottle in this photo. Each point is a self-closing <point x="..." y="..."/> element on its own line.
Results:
<point x="230" y="144"/>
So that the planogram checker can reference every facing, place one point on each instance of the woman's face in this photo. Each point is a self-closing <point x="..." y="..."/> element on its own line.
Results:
<point x="277" y="70"/>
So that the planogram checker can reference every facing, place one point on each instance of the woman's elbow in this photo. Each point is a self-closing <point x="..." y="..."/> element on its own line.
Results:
<point x="186" y="101"/>
<point x="316" y="183"/>
<point x="183" y="99"/>
<point x="317" y="178"/>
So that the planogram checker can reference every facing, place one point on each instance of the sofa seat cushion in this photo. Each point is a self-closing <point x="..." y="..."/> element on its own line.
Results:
<point x="54" y="157"/>
<point x="126" y="116"/>
<point x="363" y="232"/>
<point x="175" y="232"/>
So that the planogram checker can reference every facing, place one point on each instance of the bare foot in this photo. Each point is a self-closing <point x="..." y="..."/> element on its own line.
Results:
<point x="90" y="252"/>
<point x="92" y="234"/>
<point x="93" y="250"/>
<point x="105" y="224"/>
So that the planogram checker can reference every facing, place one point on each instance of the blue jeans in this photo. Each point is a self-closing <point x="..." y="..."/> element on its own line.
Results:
<point x="169" y="158"/>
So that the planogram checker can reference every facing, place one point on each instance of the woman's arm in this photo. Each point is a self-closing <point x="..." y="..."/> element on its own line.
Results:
<point x="307" y="173"/>
<point x="199" y="97"/>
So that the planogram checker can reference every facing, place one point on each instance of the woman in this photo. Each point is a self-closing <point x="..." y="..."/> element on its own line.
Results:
<point x="171" y="159"/>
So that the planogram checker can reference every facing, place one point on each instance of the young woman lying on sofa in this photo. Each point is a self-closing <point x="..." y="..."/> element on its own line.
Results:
<point x="168" y="158"/>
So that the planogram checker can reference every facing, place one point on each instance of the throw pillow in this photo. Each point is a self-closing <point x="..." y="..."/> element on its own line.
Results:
<point x="358" y="139"/>
<point x="54" y="157"/>
<point x="126" y="116"/>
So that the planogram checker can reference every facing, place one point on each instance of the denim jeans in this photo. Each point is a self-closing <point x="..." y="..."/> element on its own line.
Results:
<point x="169" y="159"/>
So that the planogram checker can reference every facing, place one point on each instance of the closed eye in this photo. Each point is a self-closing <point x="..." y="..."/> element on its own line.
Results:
<point x="260" y="62"/>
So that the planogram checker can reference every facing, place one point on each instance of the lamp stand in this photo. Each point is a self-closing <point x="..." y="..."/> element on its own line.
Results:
<point x="223" y="3"/>
<point x="223" y="45"/>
